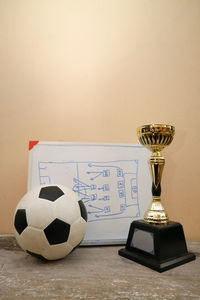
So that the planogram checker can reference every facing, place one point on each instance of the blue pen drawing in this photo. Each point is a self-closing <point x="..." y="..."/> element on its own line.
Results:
<point x="109" y="189"/>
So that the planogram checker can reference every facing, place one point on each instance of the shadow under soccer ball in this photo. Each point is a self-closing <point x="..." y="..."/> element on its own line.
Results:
<point x="50" y="222"/>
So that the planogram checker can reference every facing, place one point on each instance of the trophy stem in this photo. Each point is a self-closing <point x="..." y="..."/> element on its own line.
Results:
<point x="156" y="213"/>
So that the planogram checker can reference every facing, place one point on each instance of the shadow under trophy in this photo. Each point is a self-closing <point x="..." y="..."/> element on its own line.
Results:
<point x="156" y="242"/>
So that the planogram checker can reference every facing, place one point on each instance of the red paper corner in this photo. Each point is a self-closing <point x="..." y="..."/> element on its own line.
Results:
<point x="32" y="144"/>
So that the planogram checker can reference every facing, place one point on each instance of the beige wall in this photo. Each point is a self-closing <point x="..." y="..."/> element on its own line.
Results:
<point x="85" y="70"/>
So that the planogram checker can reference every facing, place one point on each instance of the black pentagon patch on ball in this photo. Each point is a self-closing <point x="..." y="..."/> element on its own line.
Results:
<point x="37" y="255"/>
<point x="57" y="232"/>
<point x="20" y="222"/>
<point x="83" y="210"/>
<point x="51" y="193"/>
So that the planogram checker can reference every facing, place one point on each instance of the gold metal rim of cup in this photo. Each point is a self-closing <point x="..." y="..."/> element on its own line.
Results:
<point x="156" y="128"/>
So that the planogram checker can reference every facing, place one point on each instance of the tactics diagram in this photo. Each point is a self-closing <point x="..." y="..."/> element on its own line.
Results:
<point x="109" y="189"/>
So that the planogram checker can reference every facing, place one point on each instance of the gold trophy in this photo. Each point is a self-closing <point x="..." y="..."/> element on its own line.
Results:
<point x="156" y="137"/>
<point x="155" y="241"/>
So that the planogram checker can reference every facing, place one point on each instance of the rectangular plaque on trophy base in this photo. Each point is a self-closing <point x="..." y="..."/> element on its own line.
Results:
<point x="155" y="241"/>
<point x="157" y="247"/>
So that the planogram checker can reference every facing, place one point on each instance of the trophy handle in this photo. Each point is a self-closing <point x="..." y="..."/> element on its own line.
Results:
<point x="156" y="213"/>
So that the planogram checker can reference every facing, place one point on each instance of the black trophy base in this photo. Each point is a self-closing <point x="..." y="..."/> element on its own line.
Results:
<point x="159" y="247"/>
<point x="159" y="266"/>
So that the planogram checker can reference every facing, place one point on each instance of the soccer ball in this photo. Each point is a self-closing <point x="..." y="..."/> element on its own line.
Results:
<point x="50" y="221"/>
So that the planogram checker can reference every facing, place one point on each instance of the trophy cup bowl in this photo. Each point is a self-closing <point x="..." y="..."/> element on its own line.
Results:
<point x="156" y="137"/>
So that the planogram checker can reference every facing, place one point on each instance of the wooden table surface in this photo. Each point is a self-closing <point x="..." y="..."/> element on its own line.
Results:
<point x="93" y="273"/>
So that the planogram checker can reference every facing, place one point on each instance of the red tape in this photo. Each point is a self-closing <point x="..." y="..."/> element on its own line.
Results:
<point x="32" y="144"/>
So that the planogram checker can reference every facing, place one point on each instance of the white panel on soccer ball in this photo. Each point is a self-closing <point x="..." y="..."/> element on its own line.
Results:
<point x="28" y="198"/>
<point x="77" y="232"/>
<point x="34" y="240"/>
<point x="40" y="213"/>
<point x="57" y="251"/>
<point x="19" y="239"/>
<point x="66" y="209"/>
<point x="69" y="193"/>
